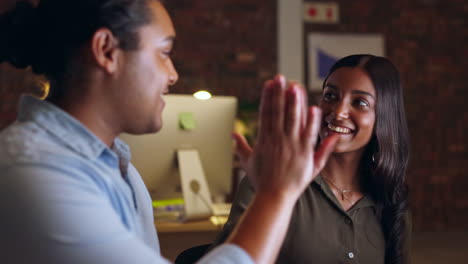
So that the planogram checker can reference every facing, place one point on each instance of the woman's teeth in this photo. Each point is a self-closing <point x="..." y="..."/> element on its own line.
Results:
<point x="339" y="129"/>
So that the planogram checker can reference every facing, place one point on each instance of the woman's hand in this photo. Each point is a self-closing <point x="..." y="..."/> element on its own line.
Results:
<point x="283" y="160"/>
<point x="243" y="149"/>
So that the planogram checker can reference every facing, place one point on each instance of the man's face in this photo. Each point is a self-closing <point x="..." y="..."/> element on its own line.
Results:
<point x="146" y="75"/>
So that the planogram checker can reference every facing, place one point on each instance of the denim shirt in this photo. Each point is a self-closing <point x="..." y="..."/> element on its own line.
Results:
<point x="66" y="197"/>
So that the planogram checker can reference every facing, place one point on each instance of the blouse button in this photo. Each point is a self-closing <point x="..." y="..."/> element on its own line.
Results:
<point x="351" y="255"/>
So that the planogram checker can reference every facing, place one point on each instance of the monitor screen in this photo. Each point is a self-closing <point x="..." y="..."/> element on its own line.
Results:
<point x="188" y="124"/>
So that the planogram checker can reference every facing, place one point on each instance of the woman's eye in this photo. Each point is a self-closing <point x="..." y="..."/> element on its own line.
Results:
<point x="361" y="103"/>
<point x="328" y="97"/>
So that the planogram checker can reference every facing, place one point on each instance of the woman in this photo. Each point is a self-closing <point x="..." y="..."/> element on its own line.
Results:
<point x="355" y="211"/>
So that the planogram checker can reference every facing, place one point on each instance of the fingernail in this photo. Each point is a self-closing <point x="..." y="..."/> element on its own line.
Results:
<point x="268" y="84"/>
<point x="292" y="90"/>
<point x="281" y="79"/>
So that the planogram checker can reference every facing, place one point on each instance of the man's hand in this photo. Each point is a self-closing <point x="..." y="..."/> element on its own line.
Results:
<point x="280" y="165"/>
<point x="284" y="160"/>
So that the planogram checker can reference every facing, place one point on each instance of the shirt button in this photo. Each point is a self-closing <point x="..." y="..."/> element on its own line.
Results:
<point x="347" y="221"/>
<point x="351" y="255"/>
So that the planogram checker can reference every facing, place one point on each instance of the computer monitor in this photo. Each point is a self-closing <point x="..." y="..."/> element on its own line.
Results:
<point x="191" y="127"/>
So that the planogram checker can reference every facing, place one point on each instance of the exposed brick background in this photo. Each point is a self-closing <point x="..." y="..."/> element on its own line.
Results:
<point x="229" y="47"/>
<point x="427" y="40"/>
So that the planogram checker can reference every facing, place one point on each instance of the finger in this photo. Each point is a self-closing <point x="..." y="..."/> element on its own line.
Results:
<point x="323" y="153"/>
<point x="313" y="124"/>
<point x="302" y="98"/>
<point x="303" y="101"/>
<point x="266" y="105"/>
<point x="278" y="100"/>
<point x="292" y="122"/>
<point x="243" y="149"/>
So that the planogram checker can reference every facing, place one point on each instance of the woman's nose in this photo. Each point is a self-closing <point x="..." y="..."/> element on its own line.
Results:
<point x="341" y="111"/>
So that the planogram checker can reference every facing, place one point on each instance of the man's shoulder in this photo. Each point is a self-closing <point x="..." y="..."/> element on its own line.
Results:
<point x="30" y="154"/>
<point x="26" y="142"/>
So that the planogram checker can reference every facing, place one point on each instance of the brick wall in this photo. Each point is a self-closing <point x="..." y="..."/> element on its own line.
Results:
<point x="229" y="47"/>
<point x="427" y="41"/>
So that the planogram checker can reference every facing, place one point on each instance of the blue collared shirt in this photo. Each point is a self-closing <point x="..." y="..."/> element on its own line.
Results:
<point x="66" y="197"/>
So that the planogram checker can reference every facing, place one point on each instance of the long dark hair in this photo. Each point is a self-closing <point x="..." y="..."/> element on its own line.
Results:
<point x="386" y="156"/>
<point x="47" y="37"/>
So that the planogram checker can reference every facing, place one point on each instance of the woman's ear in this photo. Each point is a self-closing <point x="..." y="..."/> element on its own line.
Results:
<point x="105" y="48"/>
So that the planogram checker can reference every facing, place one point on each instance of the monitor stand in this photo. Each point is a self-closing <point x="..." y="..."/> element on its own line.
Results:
<point x="197" y="198"/>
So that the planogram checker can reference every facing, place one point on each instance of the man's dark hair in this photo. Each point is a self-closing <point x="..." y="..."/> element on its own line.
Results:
<point x="47" y="37"/>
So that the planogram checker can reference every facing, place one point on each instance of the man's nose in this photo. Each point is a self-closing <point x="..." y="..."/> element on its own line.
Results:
<point x="173" y="75"/>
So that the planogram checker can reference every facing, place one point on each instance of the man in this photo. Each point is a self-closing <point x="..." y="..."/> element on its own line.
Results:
<point x="69" y="193"/>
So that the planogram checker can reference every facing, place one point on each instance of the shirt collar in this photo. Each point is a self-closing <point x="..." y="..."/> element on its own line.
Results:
<point x="123" y="152"/>
<point x="67" y="129"/>
<point x="366" y="200"/>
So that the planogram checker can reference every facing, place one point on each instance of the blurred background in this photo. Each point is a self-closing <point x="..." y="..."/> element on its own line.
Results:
<point x="230" y="47"/>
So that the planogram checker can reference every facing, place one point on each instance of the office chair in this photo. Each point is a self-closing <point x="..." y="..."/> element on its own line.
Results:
<point x="192" y="255"/>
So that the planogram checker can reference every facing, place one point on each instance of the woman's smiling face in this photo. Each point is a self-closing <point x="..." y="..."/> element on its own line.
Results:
<point x="349" y="103"/>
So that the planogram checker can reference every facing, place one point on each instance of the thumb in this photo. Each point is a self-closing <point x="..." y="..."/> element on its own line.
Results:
<point x="323" y="152"/>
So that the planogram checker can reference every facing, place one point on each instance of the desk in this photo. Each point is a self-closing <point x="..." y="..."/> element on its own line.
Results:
<point x="175" y="237"/>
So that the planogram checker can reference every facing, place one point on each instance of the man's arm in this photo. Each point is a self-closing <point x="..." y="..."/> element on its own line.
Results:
<point x="282" y="164"/>
<point x="262" y="228"/>
<point x="242" y="199"/>
<point x="56" y="214"/>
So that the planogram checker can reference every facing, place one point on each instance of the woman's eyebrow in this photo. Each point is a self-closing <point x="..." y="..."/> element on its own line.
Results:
<point x="362" y="92"/>
<point x="332" y="86"/>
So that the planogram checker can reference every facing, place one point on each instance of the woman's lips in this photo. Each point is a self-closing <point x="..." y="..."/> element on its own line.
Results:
<point x="339" y="129"/>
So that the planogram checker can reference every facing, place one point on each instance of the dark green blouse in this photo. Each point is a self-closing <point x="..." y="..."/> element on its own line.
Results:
<point x="320" y="230"/>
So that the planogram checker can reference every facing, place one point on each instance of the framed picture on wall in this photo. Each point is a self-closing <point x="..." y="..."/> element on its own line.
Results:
<point x="324" y="49"/>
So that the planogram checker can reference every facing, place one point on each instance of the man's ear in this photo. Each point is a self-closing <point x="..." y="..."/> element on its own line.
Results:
<point x="106" y="50"/>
